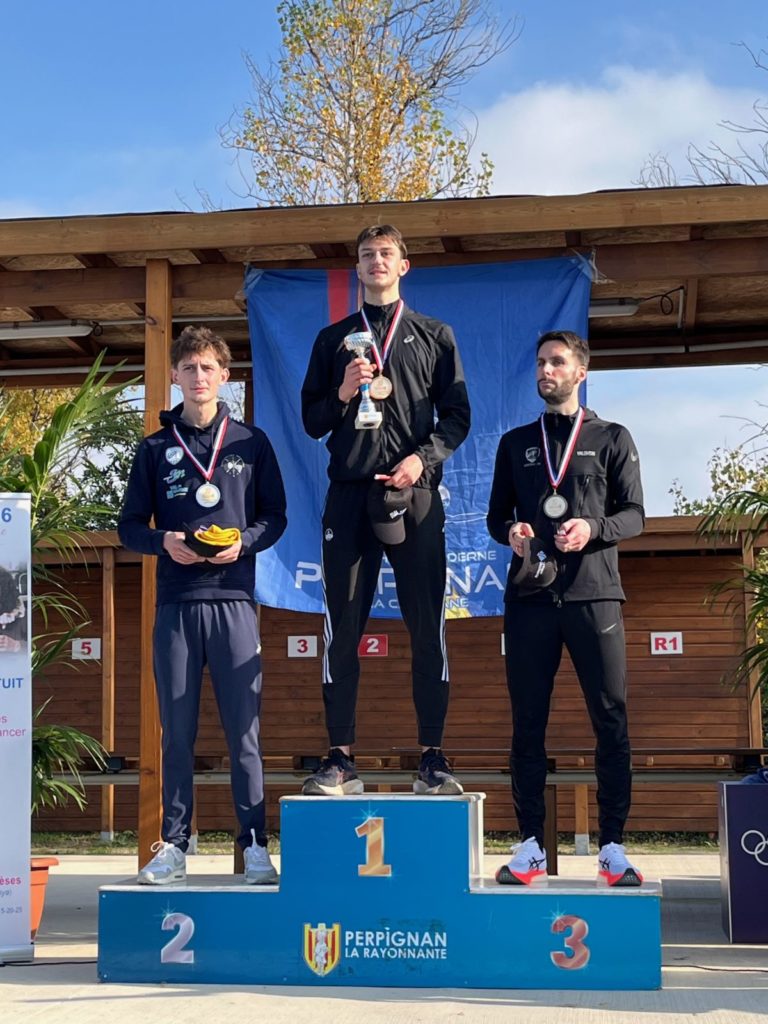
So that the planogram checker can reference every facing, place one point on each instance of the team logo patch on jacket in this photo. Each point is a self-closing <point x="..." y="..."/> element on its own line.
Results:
<point x="532" y="456"/>
<point x="233" y="465"/>
<point x="174" y="455"/>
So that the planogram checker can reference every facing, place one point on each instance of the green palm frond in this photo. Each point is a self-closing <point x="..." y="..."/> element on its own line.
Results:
<point x="59" y="508"/>
<point x="745" y="513"/>
<point x="737" y="512"/>
<point x="56" y="750"/>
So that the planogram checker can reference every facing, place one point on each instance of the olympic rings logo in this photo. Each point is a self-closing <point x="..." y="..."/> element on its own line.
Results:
<point x="755" y="844"/>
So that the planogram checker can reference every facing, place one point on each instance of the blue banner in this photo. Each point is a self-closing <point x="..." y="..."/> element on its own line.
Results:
<point x="497" y="312"/>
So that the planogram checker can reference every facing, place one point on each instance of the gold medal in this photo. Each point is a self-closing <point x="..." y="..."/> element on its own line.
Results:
<point x="380" y="387"/>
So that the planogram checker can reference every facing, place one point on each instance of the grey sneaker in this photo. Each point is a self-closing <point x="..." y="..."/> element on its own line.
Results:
<point x="168" y="865"/>
<point x="336" y="776"/>
<point x="436" y="776"/>
<point x="259" y="869"/>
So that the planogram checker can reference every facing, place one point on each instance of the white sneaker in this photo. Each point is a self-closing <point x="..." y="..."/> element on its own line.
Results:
<point x="613" y="866"/>
<point x="529" y="862"/>
<point x="168" y="865"/>
<point x="259" y="869"/>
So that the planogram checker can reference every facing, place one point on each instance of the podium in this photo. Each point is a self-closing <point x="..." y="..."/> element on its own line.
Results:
<point x="382" y="890"/>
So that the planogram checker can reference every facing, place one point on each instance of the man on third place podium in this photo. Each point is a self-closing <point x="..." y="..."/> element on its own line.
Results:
<point x="205" y="473"/>
<point x="385" y="467"/>
<point x="566" y="488"/>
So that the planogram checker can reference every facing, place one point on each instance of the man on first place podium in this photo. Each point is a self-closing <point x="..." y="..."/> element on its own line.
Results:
<point x="383" y="497"/>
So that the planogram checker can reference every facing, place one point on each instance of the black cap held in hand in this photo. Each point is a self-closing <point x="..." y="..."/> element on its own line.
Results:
<point x="387" y="509"/>
<point x="538" y="568"/>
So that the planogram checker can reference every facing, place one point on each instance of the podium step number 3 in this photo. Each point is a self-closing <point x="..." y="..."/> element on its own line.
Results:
<point x="382" y="890"/>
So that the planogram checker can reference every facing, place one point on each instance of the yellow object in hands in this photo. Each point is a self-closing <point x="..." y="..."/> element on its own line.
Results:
<point x="217" y="537"/>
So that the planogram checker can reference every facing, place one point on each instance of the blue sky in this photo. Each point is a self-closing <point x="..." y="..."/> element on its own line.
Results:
<point x="115" y="108"/>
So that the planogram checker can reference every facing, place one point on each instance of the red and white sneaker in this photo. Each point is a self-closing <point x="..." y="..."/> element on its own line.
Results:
<point x="529" y="862"/>
<point x="613" y="866"/>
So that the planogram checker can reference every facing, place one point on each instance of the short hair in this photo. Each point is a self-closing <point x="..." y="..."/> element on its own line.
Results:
<point x="578" y="345"/>
<point x="194" y="340"/>
<point x="9" y="592"/>
<point x="382" y="231"/>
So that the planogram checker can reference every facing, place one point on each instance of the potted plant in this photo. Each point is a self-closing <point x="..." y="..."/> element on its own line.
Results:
<point x="61" y="511"/>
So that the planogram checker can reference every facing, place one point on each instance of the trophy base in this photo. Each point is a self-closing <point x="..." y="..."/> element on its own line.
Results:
<point x="368" y="420"/>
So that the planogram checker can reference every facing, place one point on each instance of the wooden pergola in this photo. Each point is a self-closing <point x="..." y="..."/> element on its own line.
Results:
<point x="689" y="264"/>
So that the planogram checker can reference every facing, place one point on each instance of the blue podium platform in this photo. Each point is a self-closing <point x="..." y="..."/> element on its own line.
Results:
<point x="382" y="890"/>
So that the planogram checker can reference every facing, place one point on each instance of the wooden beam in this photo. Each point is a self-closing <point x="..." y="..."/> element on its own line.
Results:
<point x="60" y="287"/>
<point x="213" y="282"/>
<point x="108" y="684"/>
<point x="158" y="338"/>
<point x="323" y="224"/>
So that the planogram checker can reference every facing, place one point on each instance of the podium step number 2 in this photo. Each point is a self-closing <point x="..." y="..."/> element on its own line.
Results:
<point x="382" y="890"/>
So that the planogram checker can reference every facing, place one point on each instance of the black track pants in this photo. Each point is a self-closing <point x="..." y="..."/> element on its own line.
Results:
<point x="593" y="633"/>
<point x="351" y="561"/>
<point x="225" y="636"/>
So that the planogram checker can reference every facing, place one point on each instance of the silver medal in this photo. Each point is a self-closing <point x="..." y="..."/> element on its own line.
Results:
<point x="208" y="495"/>
<point x="555" y="506"/>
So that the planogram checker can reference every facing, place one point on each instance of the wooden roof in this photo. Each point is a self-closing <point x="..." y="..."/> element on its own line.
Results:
<point x="705" y="248"/>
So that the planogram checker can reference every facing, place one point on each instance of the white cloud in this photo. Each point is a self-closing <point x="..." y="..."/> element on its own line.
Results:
<point x="561" y="138"/>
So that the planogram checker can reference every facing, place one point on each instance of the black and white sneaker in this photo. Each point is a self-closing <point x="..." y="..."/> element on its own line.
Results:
<point x="336" y="776"/>
<point x="435" y="775"/>
<point x="614" y="868"/>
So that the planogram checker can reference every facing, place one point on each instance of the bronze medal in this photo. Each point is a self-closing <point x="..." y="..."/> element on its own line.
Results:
<point x="380" y="387"/>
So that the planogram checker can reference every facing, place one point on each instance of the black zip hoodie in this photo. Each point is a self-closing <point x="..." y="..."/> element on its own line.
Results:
<point x="427" y="413"/>
<point x="602" y="485"/>
<point x="163" y="483"/>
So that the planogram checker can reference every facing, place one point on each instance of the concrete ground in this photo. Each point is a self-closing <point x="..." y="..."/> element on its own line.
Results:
<point x="705" y="979"/>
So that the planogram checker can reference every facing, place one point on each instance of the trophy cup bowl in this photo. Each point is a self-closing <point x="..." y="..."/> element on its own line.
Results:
<point x="368" y="416"/>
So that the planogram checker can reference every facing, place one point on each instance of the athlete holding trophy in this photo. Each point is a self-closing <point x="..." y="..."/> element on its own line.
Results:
<point x="392" y="414"/>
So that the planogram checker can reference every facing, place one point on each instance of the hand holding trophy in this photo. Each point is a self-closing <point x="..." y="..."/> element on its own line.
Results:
<point x="368" y="416"/>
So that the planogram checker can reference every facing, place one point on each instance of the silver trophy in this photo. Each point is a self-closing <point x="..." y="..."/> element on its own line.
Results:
<point x="368" y="416"/>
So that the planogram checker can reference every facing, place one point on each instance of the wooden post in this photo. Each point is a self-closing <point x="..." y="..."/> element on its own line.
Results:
<point x="754" y="702"/>
<point x="581" y="817"/>
<point x="108" y="685"/>
<point x="157" y="345"/>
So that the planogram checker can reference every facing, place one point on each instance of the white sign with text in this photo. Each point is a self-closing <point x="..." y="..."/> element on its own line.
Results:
<point x="15" y="726"/>
<point x="666" y="643"/>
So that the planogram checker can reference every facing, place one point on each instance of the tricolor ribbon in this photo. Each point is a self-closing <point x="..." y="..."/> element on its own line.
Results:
<point x="556" y="476"/>
<point x="381" y="358"/>
<point x="218" y="443"/>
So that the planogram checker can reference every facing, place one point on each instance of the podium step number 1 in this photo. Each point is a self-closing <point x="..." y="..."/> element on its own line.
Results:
<point x="382" y="890"/>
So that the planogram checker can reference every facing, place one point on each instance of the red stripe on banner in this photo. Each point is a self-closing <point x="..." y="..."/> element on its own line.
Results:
<point x="338" y="295"/>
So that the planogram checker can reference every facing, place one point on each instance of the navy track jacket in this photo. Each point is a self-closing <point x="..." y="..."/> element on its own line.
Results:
<point x="162" y="485"/>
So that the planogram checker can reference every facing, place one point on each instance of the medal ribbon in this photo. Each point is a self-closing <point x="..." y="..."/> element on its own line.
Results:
<point x="217" y="446"/>
<point x="381" y="358"/>
<point x="556" y="476"/>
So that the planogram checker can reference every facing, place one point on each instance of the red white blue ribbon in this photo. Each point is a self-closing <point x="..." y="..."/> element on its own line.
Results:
<point x="555" y="476"/>
<point x="381" y="358"/>
<point x="218" y="443"/>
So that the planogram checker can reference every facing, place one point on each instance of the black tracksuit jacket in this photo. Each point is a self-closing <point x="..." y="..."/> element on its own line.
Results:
<point x="425" y="368"/>
<point x="602" y="485"/>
